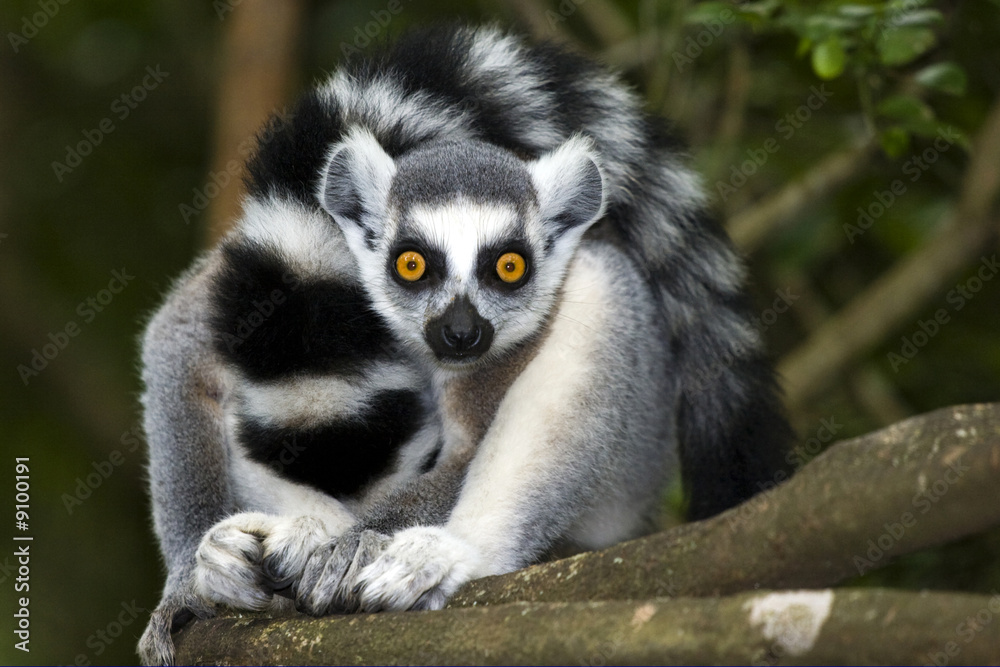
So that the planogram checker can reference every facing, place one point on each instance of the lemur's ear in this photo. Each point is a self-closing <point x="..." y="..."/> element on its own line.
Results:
<point x="354" y="186"/>
<point x="569" y="185"/>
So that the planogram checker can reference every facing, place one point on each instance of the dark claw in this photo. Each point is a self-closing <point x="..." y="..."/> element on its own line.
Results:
<point x="275" y="581"/>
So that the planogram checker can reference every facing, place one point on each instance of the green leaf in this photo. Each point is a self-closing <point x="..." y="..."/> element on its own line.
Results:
<point x="921" y="17"/>
<point x="909" y="113"/>
<point x="956" y="135"/>
<point x="905" y="108"/>
<point x="898" y="46"/>
<point x="762" y="8"/>
<point x="704" y="12"/>
<point x="805" y="46"/>
<point x="857" y="11"/>
<point x="905" y="5"/>
<point x="930" y="129"/>
<point x="821" y="26"/>
<point x="946" y="77"/>
<point x="828" y="59"/>
<point x="895" y="141"/>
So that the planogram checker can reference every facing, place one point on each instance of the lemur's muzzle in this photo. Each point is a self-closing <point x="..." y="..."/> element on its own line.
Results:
<point x="459" y="333"/>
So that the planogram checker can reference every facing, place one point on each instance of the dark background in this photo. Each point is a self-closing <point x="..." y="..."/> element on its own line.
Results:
<point x="768" y="94"/>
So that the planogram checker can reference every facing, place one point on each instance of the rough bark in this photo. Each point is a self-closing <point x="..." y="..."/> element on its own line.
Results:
<point x="925" y="481"/>
<point x="785" y="628"/>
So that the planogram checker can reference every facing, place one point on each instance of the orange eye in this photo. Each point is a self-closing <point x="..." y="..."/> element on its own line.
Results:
<point x="411" y="266"/>
<point x="511" y="267"/>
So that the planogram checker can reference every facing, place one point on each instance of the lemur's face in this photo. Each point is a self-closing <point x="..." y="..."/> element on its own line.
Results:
<point x="462" y="246"/>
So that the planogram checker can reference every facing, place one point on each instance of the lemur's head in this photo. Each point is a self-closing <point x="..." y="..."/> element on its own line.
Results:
<point x="462" y="246"/>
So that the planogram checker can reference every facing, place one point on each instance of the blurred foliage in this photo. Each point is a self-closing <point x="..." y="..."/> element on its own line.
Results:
<point x="732" y="77"/>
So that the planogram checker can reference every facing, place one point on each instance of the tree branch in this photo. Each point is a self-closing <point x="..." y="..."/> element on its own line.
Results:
<point x="868" y="385"/>
<point x="816" y="627"/>
<point x="749" y="228"/>
<point x="867" y="320"/>
<point x="906" y="287"/>
<point x="922" y="482"/>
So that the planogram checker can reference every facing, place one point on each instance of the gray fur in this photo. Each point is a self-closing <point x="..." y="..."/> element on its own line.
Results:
<point x="188" y="453"/>
<point x="470" y="166"/>
<point x="621" y="352"/>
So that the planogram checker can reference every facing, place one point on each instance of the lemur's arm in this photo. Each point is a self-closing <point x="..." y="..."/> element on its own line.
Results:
<point x="425" y="501"/>
<point x="231" y="530"/>
<point x="560" y="460"/>
<point x="329" y="577"/>
<point x="184" y="389"/>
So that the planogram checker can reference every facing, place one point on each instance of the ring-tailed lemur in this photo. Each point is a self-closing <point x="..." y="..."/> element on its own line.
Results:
<point x="473" y="312"/>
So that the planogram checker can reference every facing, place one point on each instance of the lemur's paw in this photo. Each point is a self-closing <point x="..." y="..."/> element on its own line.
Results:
<point x="328" y="579"/>
<point x="287" y="549"/>
<point x="228" y="569"/>
<point x="420" y="569"/>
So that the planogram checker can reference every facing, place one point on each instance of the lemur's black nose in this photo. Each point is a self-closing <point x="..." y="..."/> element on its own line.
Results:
<point x="460" y="333"/>
<point x="462" y="339"/>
